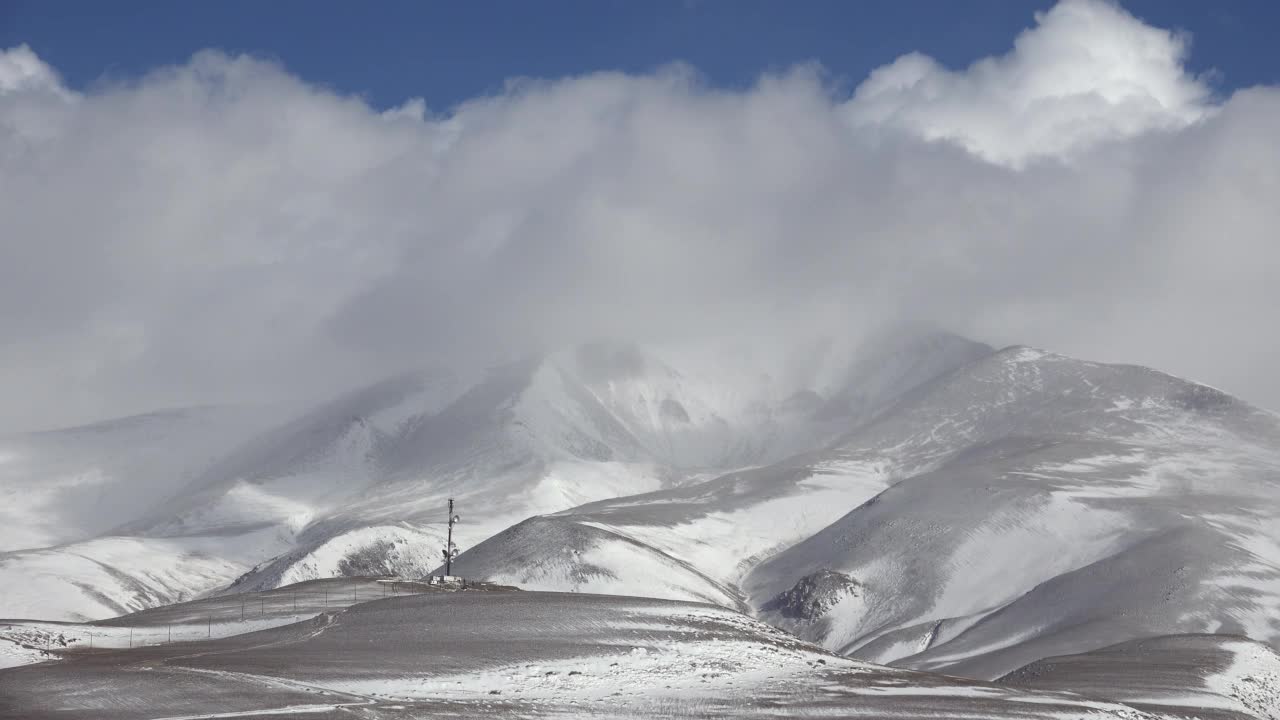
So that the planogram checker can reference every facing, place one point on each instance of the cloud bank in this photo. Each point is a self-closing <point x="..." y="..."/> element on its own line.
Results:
<point x="223" y="231"/>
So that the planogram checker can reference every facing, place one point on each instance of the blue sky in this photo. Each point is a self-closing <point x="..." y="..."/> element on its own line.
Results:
<point x="448" y="52"/>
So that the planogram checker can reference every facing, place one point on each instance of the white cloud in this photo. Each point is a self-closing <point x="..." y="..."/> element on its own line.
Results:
<point x="21" y="69"/>
<point x="1087" y="73"/>
<point x="222" y="230"/>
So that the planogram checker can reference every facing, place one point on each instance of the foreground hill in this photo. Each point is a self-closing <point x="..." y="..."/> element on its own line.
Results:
<point x="511" y="654"/>
<point x="24" y="641"/>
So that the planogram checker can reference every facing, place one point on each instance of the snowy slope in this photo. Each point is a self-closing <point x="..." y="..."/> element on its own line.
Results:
<point x="398" y="550"/>
<point x="1043" y="505"/>
<point x="576" y="557"/>
<point x="1218" y="676"/>
<point x="109" y="576"/>
<point x="718" y="529"/>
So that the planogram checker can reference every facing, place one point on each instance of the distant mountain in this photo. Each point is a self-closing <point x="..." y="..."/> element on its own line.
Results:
<point x="289" y="475"/>
<point x="246" y="506"/>
<point x="60" y="486"/>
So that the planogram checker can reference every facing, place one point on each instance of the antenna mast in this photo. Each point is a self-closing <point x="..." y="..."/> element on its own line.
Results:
<point x="450" y="550"/>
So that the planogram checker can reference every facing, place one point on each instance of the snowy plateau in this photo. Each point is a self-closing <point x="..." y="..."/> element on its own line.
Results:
<point x="918" y="526"/>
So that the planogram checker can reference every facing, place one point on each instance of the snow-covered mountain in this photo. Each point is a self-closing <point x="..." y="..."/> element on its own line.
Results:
<point x="362" y="481"/>
<point x="1024" y="505"/>
<point x="925" y="501"/>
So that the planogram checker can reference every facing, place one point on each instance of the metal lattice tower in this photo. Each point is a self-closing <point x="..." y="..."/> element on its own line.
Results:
<point x="450" y="550"/>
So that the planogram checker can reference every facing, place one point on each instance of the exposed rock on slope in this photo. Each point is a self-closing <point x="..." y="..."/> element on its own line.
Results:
<point x="813" y="596"/>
